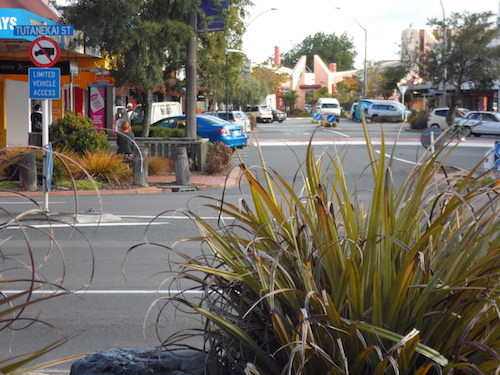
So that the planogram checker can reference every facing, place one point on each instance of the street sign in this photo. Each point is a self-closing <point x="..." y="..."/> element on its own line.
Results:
<point x="497" y="149"/>
<point x="43" y="30"/>
<point x="331" y="119"/>
<point x="430" y="137"/>
<point x="318" y="116"/>
<point x="44" y="52"/>
<point x="44" y="83"/>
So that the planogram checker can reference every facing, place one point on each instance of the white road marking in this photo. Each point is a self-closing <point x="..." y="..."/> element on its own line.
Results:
<point x="27" y="202"/>
<point x="105" y="292"/>
<point x="177" y="217"/>
<point x="339" y="133"/>
<point x="399" y="159"/>
<point x="81" y="225"/>
<point x="362" y="143"/>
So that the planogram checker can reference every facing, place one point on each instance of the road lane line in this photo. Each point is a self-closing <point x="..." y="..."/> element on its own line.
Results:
<point x="107" y="292"/>
<point x="399" y="159"/>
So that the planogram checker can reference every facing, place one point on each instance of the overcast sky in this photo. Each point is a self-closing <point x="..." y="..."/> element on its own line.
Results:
<point x="383" y="20"/>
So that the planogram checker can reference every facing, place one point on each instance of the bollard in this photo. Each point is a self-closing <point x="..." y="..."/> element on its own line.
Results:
<point x="181" y="166"/>
<point x="140" y="167"/>
<point x="27" y="172"/>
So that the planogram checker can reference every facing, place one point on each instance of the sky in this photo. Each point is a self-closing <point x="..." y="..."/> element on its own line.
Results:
<point x="384" y="20"/>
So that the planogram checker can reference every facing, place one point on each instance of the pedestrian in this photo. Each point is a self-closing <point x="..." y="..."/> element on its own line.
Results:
<point x="125" y="141"/>
<point x="452" y="114"/>
<point x="130" y="112"/>
<point x="36" y="119"/>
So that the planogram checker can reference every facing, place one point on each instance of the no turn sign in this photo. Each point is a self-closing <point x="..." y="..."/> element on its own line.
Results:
<point x="44" y="52"/>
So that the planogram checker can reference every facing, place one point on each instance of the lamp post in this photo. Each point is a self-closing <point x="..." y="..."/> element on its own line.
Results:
<point x="445" y="72"/>
<point x="365" y="77"/>
<point x="228" y="51"/>
<point x="258" y="15"/>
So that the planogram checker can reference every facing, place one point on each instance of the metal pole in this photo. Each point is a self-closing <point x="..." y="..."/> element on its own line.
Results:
<point x="365" y="76"/>
<point x="45" y="143"/>
<point x="191" y="83"/>
<point x="444" y="60"/>
<point x="227" y="80"/>
<point x="365" y="69"/>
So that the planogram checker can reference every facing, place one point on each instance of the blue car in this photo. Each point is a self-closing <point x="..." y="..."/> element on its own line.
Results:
<point x="211" y="127"/>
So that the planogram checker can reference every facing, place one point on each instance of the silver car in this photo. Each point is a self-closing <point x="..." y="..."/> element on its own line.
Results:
<point x="480" y="122"/>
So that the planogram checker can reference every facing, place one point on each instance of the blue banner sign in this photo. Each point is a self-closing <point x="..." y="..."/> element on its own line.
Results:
<point x="45" y="83"/>
<point x="43" y="30"/>
<point x="10" y="18"/>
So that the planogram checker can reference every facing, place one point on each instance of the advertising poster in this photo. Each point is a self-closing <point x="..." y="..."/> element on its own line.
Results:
<point x="97" y="106"/>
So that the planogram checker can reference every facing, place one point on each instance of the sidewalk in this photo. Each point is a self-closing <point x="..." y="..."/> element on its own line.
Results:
<point x="159" y="184"/>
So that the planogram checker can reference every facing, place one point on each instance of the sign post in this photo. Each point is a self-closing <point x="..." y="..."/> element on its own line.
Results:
<point x="45" y="84"/>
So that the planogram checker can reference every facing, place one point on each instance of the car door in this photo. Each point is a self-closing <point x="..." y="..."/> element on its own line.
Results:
<point x="490" y="124"/>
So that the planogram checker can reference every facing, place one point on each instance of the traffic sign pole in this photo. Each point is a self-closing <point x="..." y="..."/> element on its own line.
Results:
<point x="46" y="153"/>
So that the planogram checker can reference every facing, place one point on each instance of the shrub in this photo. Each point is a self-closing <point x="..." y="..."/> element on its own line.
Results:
<point x="104" y="166"/>
<point x="418" y="120"/>
<point x="218" y="158"/>
<point x="158" y="166"/>
<point x="163" y="132"/>
<point x="314" y="279"/>
<point x="78" y="134"/>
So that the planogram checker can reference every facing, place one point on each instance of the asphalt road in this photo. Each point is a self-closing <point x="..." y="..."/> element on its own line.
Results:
<point x="116" y="288"/>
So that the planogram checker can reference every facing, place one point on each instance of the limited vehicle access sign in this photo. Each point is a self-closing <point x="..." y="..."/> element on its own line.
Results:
<point x="44" y="52"/>
<point x="44" y="83"/>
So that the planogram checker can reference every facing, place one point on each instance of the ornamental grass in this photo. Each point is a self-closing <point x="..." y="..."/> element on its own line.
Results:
<point x="310" y="279"/>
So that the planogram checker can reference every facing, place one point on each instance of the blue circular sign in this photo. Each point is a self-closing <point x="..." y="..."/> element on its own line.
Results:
<point x="318" y="116"/>
<point x="497" y="166"/>
<point x="497" y="149"/>
<point x="331" y="118"/>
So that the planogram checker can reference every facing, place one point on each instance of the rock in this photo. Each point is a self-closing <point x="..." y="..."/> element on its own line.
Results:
<point x="146" y="362"/>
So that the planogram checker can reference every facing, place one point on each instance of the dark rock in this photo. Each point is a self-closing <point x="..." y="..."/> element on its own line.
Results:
<point x="147" y="361"/>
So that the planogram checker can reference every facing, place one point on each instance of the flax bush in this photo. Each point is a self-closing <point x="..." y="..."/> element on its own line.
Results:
<point x="318" y="282"/>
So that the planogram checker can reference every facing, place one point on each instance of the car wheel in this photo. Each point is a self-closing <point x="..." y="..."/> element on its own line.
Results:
<point x="434" y="126"/>
<point x="476" y="134"/>
<point x="280" y="121"/>
<point x="374" y="118"/>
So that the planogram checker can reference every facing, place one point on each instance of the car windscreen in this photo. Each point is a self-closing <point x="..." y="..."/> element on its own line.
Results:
<point x="329" y="105"/>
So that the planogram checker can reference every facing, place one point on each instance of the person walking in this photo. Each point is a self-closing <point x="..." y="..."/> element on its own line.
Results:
<point x="452" y="114"/>
<point x="125" y="141"/>
<point x="130" y="112"/>
<point x="36" y="119"/>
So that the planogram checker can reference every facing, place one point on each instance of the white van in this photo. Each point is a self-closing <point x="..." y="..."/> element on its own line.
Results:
<point x="159" y="110"/>
<point x="328" y="106"/>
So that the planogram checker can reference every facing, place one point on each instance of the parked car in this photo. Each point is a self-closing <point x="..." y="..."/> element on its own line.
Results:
<point x="352" y="113"/>
<point x="437" y="117"/>
<point x="211" y="127"/>
<point x="387" y="109"/>
<point x="327" y="106"/>
<point x="278" y="115"/>
<point x="480" y="122"/>
<point x="263" y="113"/>
<point x="234" y="117"/>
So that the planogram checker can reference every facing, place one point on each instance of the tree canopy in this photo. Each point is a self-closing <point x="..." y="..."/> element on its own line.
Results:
<point x="145" y="39"/>
<point x="469" y="56"/>
<point x="330" y="47"/>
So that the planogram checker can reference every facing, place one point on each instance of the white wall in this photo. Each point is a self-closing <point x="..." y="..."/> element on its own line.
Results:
<point x="18" y="112"/>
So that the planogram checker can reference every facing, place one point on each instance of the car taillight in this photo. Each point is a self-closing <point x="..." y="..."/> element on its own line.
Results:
<point x="223" y="131"/>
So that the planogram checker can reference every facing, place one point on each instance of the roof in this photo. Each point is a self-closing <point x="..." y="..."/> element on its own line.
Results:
<point x="37" y="7"/>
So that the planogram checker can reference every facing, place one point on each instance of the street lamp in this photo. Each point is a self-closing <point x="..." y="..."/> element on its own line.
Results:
<point x="258" y="15"/>
<point x="365" y="77"/>
<point x="228" y="51"/>
<point x="445" y="73"/>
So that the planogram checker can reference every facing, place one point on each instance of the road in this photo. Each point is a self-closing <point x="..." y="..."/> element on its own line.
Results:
<point x="114" y="288"/>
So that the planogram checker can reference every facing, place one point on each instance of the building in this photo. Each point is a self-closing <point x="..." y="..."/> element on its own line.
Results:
<point x="81" y="71"/>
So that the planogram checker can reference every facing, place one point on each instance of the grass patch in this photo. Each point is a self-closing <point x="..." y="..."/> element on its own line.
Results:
<point x="79" y="184"/>
<point x="10" y="185"/>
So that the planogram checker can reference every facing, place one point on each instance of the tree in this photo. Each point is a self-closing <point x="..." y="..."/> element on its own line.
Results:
<point x="289" y="99"/>
<point x="469" y="57"/>
<point x="331" y="48"/>
<point x="390" y="77"/>
<point x="140" y="38"/>
<point x="249" y="91"/>
<point x="348" y="91"/>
